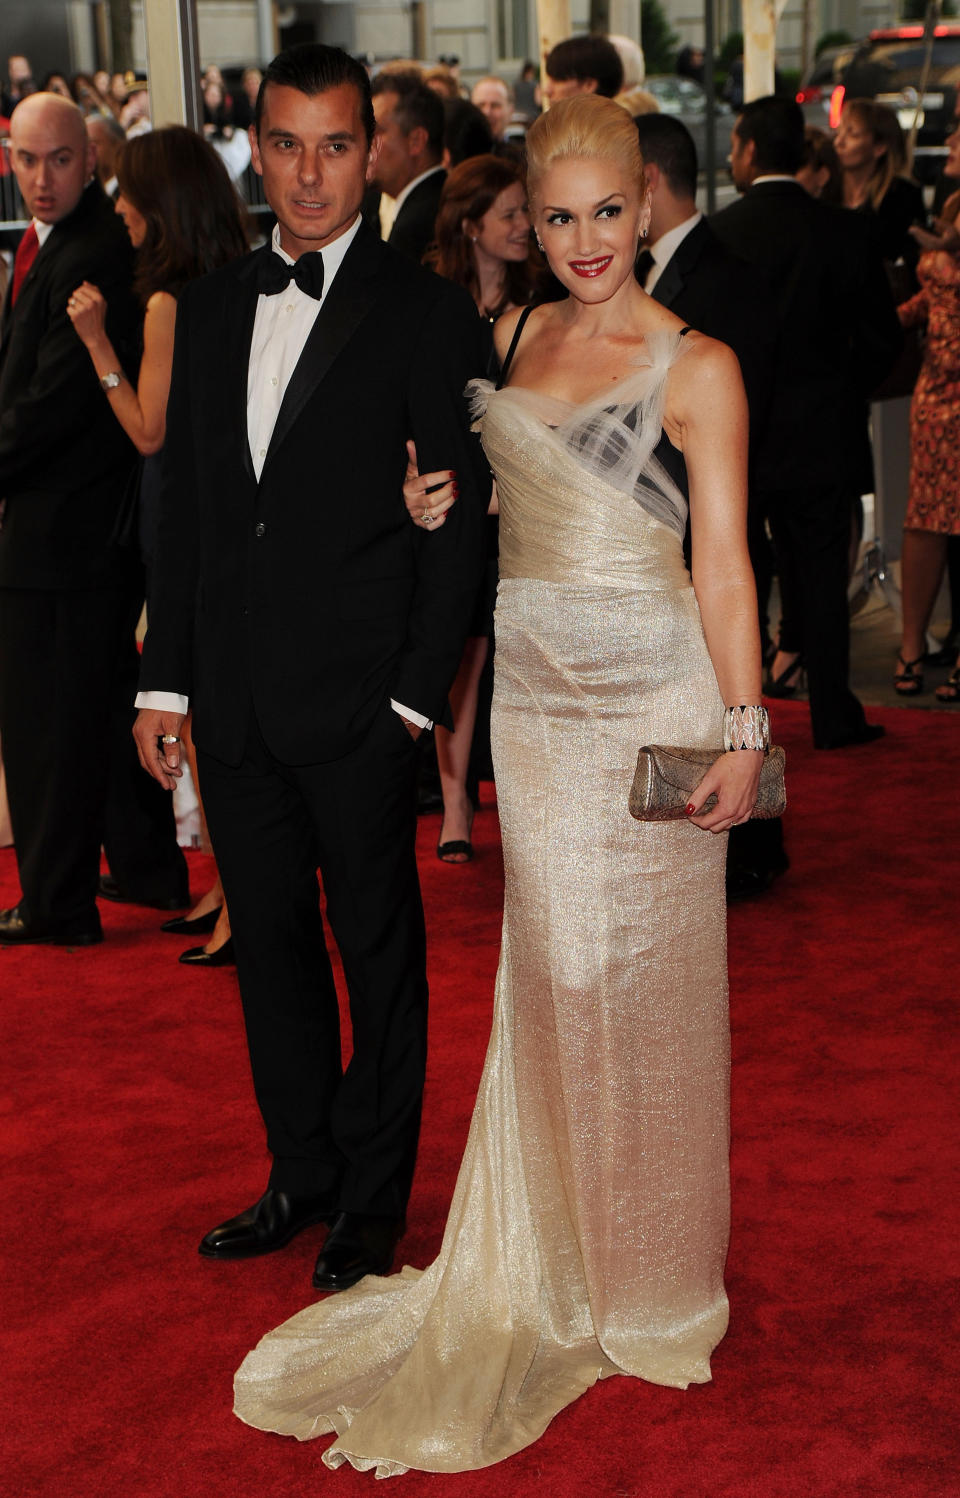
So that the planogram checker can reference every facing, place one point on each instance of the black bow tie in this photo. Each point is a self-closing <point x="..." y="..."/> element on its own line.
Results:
<point x="274" y="275"/>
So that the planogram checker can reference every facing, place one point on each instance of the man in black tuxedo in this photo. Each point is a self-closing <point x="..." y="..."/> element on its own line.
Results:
<point x="410" y="123"/>
<point x="686" y="268"/>
<point x="315" y="632"/>
<point x="837" y="336"/>
<point x="69" y="596"/>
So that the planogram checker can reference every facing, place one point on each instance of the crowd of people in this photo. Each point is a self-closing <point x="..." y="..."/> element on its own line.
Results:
<point x="275" y="450"/>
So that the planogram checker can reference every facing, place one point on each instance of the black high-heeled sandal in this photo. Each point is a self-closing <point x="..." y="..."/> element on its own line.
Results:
<point x="787" y="682"/>
<point x="909" y="681"/>
<point x="949" y="691"/>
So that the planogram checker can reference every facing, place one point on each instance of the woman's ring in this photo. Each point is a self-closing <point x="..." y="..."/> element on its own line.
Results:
<point x="427" y="518"/>
<point x="169" y="738"/>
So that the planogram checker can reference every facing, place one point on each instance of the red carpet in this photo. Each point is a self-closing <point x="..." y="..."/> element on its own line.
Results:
<point x="129" y="1129"/>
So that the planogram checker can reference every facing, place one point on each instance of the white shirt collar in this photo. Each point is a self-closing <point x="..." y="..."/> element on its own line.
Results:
<point x="774" y="177"/>
<point x="402" y="197"/>
<point x="664" y="249"/>
<point x="333" y="253"/>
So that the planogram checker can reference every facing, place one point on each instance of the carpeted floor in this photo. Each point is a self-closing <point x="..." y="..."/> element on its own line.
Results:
<point x="129" y="1129"/>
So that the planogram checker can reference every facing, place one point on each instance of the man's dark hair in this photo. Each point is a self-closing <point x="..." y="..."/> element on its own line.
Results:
<point x="311" y="69"/>
<point x="668" y="144"/>
<point x="466" y="132"/>
<point x="775" y="126"/>
<point x="417" y="107"/>
<point x="583" y="57"/>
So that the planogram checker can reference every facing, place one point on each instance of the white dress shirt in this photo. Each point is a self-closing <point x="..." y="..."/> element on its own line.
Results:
<point x="281" y="327"/>
<point x="666" y="247"/>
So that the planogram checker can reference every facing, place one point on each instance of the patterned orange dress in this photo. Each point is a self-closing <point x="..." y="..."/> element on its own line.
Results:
<point x="934" y="503"/>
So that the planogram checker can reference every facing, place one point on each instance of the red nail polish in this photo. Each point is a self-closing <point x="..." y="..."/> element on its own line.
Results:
<point x="690" y="808"/>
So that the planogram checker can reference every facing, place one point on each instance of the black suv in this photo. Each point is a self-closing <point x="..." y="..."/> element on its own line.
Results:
<point x="888" y="66"/>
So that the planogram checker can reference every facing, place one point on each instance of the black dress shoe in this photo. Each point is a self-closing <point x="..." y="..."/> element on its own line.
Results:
<point x="868" y="734"/>
<point x="201" y="925"/>
<point x="222" y="957"/>
<point x="109" y="889"/>
<point x="268" y="1225"/>
<point x="357" y="1244"/>
<point x="17" y="932"/>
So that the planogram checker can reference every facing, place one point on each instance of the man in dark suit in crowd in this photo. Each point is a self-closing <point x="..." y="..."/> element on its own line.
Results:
<point x="69" y="596"/>
<point x="686" y="268"/>
<point x="108" y="142"/>
<point x="315" y="633"/>
<point x="837" y="336"/>
<point x="410" y="123"/>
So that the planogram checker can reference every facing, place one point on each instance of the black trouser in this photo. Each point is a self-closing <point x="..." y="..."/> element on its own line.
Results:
<point x="810" y="528"/>
<point x="351" y="1135"/>
<point x="61" y="669"/>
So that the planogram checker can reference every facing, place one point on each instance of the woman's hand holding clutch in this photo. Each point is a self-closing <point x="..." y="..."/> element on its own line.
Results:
<point x="733" y="778"/>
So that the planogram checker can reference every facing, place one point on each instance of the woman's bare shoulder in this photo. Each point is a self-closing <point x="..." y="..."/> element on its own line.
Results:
<point x="161" y="306"/>
<point x="706" y="364"/>
<point x="505" y="326"/>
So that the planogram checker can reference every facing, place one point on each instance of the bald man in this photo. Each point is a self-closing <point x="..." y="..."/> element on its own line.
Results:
<point x="69" y="592"/>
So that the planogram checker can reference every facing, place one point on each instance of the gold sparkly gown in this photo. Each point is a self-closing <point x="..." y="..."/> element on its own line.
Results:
<point x="588" y="1229"/>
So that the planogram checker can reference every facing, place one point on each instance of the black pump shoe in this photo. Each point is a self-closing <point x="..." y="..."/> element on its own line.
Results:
<point x="222" y="957"/>
<point x="201" y="925"/>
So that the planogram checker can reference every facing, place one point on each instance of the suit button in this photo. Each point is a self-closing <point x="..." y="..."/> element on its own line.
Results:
<point x="259" y="529"/>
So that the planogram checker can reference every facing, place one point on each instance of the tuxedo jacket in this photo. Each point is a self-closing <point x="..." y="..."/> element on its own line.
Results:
<point x="65" y="460"/>
<point x="837" y="333"/>
<point x="309" y="597"/>
<point x="414" y="228"/>
<point x="717" y="293"/>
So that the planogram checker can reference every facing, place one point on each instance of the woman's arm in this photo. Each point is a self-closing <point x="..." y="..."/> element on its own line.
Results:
<point x="142" y="412"/>
<point x="706" y="401"/>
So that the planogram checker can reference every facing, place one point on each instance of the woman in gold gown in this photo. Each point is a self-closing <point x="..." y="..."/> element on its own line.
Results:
<point x="588" y="1229"/>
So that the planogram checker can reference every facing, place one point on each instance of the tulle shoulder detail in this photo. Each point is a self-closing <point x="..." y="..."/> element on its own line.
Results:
<point x="614" y="434"/>
<point x="478" y="393"/>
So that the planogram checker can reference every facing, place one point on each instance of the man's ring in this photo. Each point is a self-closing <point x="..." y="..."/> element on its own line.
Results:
<point x="169" y="738"/>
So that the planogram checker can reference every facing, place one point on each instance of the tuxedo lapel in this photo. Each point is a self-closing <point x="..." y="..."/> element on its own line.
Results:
<point x="349" y="300"/>
<point x="669" y="283"/>
<point x="681" y="265"/>
<point x="237" y="352"/>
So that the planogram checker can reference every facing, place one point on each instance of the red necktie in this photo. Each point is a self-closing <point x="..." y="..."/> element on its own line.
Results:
<point x="27" y="251"/>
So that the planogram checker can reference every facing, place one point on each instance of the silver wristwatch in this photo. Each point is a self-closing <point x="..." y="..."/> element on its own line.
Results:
<point x="112" y="380"/>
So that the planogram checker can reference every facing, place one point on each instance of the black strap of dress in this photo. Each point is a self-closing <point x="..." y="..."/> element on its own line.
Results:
<point x="504" y="368"/>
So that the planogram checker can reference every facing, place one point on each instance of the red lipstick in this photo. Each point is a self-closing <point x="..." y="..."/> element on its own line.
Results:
<point x="591" y="268"/>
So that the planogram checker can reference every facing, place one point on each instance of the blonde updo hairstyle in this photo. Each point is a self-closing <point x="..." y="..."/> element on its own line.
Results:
<point x="583" y="127"/>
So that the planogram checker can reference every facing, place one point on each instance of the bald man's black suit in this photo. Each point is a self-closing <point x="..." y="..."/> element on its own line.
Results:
<point x="292" y="610"/>
<point x="70" y="596"/>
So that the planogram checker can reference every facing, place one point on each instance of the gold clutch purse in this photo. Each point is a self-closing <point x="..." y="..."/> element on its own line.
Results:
<point x="665" y="779"/>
